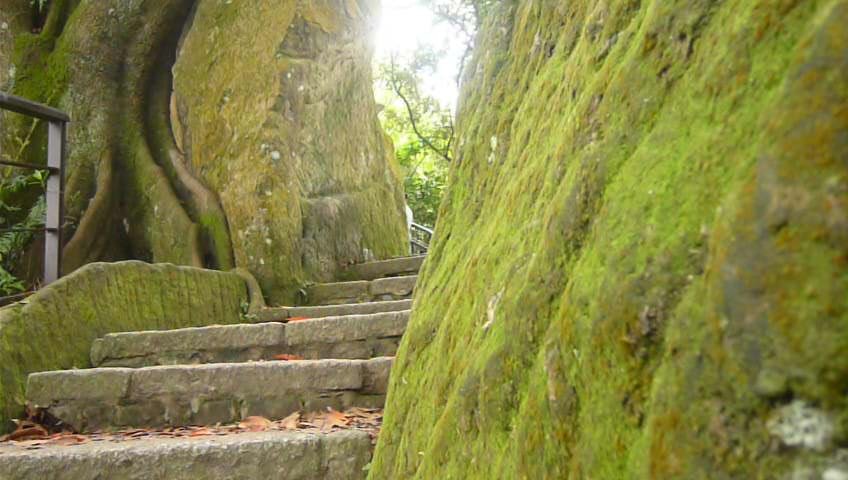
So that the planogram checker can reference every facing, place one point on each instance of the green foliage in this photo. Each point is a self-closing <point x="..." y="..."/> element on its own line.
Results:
<point x="421" y="129"/>
<point x="13" y="242"/>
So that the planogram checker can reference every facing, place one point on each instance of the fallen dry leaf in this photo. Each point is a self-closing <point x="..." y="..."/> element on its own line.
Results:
<point x="297" y="319"/>
<point x="333" y="419"/>
<point x="285" y="357"/>
<point x="201" y="432"/>
<point x="33" y="432"/>
<point x="255" y="424"/>
<point x="67" y="440"/>
<point x="291" y="422"/>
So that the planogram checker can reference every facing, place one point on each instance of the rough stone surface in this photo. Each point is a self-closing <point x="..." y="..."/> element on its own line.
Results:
<point x="206" y="394"/>
<point x="382" y="289"/>
<point x="217" y="344"/>
<point x="385" y="268"/>
<point x="249" y="456"/>
<point x="648" y="211"/>
<point x="54" y="328"/>
<point x="282" y="124"/>
<point x="281" y="314"/>
<point x="348" y="337"/>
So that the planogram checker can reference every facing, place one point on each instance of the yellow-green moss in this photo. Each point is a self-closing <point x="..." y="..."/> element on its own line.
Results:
<point x="53" y="329"/>
<point x="646" y="218"/>
<point x="282" y="124"/>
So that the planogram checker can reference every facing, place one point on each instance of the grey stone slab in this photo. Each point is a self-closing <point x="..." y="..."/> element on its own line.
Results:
<point x="337" y="293"/>
<point x="347" y="337"/>
<point x="278" y="455"/>
<point x="205" y="394"/>
<point x="395" y="287"/>
<point x="184" y="345"/>
<point x="385" y="268"/>
<point x="375" y="375"/>
<point x="245" y="379"/>
<point x="106" y="385"/>
<point x="347" y="328"/>
<point x="281" y="314"/>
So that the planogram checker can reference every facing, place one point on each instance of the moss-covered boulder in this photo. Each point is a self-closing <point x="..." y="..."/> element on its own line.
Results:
<point x="641" y="263"/>
<point x="54" y="329"/>
<point x="215" y="134"/>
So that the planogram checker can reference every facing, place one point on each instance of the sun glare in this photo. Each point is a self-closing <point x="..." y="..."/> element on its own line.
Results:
<point x="407" y="25"/>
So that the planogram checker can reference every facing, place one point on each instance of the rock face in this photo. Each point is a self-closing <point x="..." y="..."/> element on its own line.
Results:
<point x="219" y="134"/>
<point x="641" y="262"/>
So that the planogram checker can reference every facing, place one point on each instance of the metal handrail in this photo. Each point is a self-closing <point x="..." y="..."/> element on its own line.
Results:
<point x="420" y="238"/>
<point x="57" y="151"/>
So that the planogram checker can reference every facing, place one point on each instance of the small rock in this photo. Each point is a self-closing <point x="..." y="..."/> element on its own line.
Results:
<point x="800" y="425"/>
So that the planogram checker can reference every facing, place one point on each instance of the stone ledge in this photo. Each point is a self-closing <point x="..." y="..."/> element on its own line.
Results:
<point x="385" y="268"/>
<point x="281" y="314"/>
<point x="381" y="289"/>
<point x="206" y="394"/>
<point x="279" y="455"/>
<point x="348" y="337"/>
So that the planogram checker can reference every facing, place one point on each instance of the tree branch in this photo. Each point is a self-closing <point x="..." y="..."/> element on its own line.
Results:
<point x="426" y="141"/>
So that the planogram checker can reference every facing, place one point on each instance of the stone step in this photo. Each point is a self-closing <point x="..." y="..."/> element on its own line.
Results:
<point x="347" y="337"/>
<point x="394" y="267"/>
<point x="282" y="314"/>
<point x="248" y="456"/>
<point x="181" y="395"/>
<point x="393" y="288"/>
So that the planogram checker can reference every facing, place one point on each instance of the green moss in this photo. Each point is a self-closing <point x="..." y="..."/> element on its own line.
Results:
<point x="282" y="125"/>
<point x="647" y="211"/>
<point x="53" y="329"/>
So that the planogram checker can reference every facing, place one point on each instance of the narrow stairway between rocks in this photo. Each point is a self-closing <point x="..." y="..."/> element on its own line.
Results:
<point x="296" y="395"/>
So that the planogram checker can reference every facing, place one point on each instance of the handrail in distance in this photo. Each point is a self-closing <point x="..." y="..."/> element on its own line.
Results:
<point x="57" y="141"/>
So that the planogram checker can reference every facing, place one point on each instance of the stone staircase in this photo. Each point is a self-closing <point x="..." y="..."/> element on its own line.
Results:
<point x="344" y="340"/>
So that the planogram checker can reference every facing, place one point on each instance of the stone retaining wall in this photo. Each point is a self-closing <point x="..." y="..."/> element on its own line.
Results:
<point x="54" y="328"/>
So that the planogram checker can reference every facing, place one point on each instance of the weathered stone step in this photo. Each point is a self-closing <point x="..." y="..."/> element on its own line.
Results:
<point x="385" y="268"/>
<point x="282" y="314"/>
<point x="248" y="456"/>
<point x="348" y="337"/>
<point x="393" y="288"/>
<point x="181" y="395"/>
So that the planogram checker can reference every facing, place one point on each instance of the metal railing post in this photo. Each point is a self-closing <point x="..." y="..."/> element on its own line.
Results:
<point x="56" y="152"/>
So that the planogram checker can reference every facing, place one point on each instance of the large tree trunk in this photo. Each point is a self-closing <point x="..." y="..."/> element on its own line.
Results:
<point x="218" y="134"/>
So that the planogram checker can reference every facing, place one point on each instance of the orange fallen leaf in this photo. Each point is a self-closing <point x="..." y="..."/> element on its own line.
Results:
<point x="285" y="357"/>
<point x="255" y="424"/>
<point x="333" y="419"/>
<point x="35" y="432"/>
<point x="201" y="432"/>
<point x="291" y="422"/>
<point x="297" y="319"/>
<point x="67" y="440"/>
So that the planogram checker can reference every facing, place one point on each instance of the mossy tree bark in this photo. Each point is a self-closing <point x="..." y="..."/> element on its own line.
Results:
<point x="200" y="139"/>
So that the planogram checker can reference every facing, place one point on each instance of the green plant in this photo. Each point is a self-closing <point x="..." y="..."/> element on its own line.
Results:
<point x="17" y="234"/>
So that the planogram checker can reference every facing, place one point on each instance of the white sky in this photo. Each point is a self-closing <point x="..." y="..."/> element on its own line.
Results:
<point x="405" y="25"/>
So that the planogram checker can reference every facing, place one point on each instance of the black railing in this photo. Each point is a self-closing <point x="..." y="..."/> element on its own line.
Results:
<point x="419" y="238"/>
<point x="57" y="132"/>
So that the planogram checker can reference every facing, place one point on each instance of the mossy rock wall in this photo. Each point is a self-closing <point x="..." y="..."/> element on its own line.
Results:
<point x="216" y="134"/>
<point x="641" y="263"/>
<point x="54" y="329"/>
<point x="282" y="123"/>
